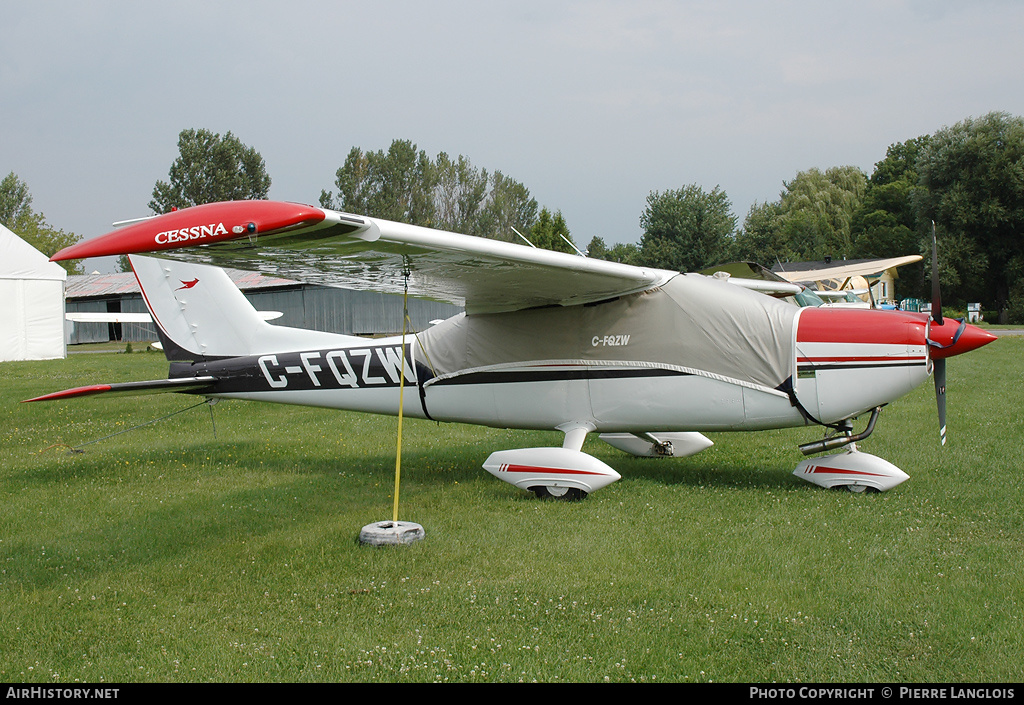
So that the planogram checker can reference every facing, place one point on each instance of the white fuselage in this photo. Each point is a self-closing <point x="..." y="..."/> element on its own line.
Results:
<point x="833" y="376"/>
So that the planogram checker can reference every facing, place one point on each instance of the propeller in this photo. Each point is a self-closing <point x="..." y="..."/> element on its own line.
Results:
<point x="947" y="338"/>
<point x="939" y="373"/>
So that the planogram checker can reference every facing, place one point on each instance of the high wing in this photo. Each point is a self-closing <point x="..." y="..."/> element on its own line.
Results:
<point x="841" y="270"/>
<point x="327" y="247"/>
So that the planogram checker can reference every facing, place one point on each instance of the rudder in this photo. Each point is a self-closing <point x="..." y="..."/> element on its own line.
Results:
<point x="201" y="314"/>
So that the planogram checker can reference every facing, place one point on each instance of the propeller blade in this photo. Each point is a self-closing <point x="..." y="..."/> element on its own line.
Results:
<point x="940" y="395"/>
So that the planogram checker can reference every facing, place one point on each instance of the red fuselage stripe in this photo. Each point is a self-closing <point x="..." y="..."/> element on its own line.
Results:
<point x="861" y="326"/>
<point x="815" y="469"/>
<point x="554" y="471"/>
<point x="856" y="358"/>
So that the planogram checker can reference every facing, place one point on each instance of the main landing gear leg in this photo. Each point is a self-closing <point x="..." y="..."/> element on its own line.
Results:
<point x="574" y="437"/>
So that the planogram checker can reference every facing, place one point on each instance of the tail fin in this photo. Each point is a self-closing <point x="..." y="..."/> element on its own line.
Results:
<point x="200" y="314"/>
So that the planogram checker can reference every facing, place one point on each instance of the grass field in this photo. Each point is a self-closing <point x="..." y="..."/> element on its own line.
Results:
<point x="168" y="554"/>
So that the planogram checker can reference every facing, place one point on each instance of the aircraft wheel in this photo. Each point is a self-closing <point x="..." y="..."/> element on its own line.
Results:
<point x="565" y="494"/>
<point x="860" y="489"/>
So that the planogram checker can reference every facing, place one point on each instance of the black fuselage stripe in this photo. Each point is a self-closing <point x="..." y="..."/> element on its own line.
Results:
<point x="518" y="376"/>
<point x="858" y="366"/>
<point x="251" y="380"/>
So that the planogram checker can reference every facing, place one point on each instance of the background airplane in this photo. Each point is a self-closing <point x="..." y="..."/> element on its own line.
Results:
<point x="870" y="281"/>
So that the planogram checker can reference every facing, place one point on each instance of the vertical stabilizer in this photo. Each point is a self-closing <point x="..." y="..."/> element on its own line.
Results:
<point x="201" y="314"/>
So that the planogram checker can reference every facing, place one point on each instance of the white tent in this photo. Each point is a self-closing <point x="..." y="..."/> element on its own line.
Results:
<point x="32" y="296"/>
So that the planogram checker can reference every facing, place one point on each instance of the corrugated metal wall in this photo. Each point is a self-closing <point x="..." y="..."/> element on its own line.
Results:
<point x="345" y="311"/>
<point x="313" y="307"/>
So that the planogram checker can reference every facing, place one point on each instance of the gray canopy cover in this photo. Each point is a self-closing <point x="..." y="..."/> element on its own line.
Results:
<point x="692" y="323"/>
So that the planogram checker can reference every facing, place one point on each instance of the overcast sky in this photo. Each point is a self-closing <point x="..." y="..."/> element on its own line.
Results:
<point x="591" y="105"/>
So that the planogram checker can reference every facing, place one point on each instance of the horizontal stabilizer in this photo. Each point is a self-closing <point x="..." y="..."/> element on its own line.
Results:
<point x="101" y="317"/>
<point x="156" y="386"/>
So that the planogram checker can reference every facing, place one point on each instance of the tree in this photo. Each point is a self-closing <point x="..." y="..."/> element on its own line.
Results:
<point x="459" y="194"/>
<point x="508" y="205"/>
<point x="622" y="252"/>
<point x="548" y="231"/>
<point x="395" y="185"/>
<point x="405" y="185"/>
<point x="211" y="168"/>
<point x="17" y="215"/>
<point x="760" y="239"/>
<point x="886" y="224"/>
<point x="687" y="229"/>
<point x="15" y="200"/>
<point x="972" y="179"/>
<point x="817" y="212"/>
<point x="597" y="249"/>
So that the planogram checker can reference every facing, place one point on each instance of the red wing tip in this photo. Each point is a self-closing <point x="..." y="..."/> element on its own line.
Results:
<point x="70" y="393"/>
<point x="198" y="225"/>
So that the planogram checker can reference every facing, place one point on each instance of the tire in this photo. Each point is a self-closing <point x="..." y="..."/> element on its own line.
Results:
<point x="562" y="494"/>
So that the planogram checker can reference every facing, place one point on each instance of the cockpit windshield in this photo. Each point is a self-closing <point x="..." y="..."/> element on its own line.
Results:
<point x="806" y="297"/>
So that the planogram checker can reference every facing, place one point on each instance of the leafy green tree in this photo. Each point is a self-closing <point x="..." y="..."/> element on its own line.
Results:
<point x="15" y="200"/>
<point x="972" y="179"/>
<point x="405" y="185"/>
<point x="459" y="194"/>
<point x="211" y="168"/>
<point x="548" y="231"/>
<point x="508" y="205"/>
<point x="597" y="249"/>
<point x="622" y="252"/>
<point x="817" y="212"/>
<point x="17" y="215"/>
<point x="394" y="185"/>
<point x="886" y="224"/>
<point x="760" y="239"/>
<point x="687" y="229"/>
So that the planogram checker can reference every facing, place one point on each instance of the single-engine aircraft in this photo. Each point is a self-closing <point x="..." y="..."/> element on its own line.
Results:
<point x="647" y="358"/>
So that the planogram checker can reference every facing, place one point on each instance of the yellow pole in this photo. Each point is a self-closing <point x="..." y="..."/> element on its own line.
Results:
<point x="401" y="398"/>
